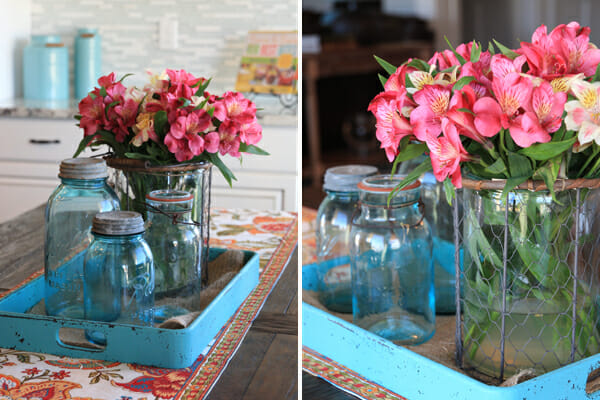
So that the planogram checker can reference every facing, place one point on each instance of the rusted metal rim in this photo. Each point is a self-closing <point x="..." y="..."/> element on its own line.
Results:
<point x="129" y="164"/>
<point x="531" y="185"/>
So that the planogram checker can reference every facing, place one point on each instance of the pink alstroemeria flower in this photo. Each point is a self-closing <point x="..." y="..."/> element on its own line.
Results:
<point x="391" y="126"/>
<point x="92" y="115"/>
<point x="235" y="107"/>
<point x="447" y="152"/>
<point x="433" y="104"/>
<point x="229" y="140"/>
<point x="462" y="101"/>
<point x="583" y="114"/>
<point x="397" y="81"/>
<point x="126" y="115"/>
<point x="548" y="106"/>
<point x="251" y="133"/>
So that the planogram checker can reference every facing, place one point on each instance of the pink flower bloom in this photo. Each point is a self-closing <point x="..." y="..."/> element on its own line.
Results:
<point x="447" y="152"/>
<point x="391" y="127"/>
<point x="566" y="50"/>
<point x="179" y="147"/>
<point x="502" y="66"/>
<point x="513" y="93"/>
<point x="465" y="99"/>
<point x="433" y="103"/>
<point x="181" y="83"/>
<point x="229" y="140"/>
<point x="92" y="115"/>
<point x="126" y="114"/>
<point x="488" y="116"/>
<point x="526" y="130"/>
<point x="251" y="133"/>
<point x="211" y="142"/>
<point x="548" y="106"/>
<point x="397" y="81"/>
<point x="236" y="107"/>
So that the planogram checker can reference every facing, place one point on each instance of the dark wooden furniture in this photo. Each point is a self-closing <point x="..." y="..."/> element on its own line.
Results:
<point x="266" y="364"/>
<point x="336" y="61"/>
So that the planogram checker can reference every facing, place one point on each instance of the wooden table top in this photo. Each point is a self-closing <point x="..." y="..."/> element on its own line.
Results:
<point x="266" y="364"/>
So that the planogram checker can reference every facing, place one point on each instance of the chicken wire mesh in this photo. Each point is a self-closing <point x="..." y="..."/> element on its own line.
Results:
<point x="527" y="294"/>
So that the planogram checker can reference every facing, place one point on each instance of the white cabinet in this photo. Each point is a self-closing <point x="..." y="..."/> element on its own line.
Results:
<point x="31" y="150"/>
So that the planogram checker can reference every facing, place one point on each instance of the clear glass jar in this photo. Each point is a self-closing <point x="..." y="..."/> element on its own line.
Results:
<point x="438" y="214"/>
<point x="531" y="290"/>
<point x="82" y="193"/>
<point x="118" y="272"/>
<point x="175" y="243"/>
<point x="391" y="260"/>
<point x="333" y="234"/>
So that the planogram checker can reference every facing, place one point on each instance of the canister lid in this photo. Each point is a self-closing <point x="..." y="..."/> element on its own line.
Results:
<point x="83" y="168"/>
<point x="385" y="184"/>
<point x="117" y="223"/>
<point x="169" y="196"/>
<point x="345" y="177"/>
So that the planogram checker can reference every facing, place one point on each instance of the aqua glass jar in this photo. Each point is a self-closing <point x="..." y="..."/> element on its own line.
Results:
<point x="175" y="242"/>
<point x="118" y="272"/>
<point x="438" y="214"/>
<point x="391" y="260"/>
<point x="82" y="193"/>
<point x="333" y="234"/>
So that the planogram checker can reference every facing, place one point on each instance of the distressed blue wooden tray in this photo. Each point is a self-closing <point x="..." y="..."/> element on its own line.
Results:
<point x="415" y="377"/>
<point x="166" y="348"/>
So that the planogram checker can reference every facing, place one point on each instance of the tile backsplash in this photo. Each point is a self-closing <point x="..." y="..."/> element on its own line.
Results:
<point x="211" y="34"/>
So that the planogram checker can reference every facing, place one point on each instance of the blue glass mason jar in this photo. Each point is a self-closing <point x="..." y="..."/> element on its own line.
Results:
<point x="333" y="234"/>
<point x="82" y="193"/>
<point x="391" y="260"/>
<point x="175" y="242"/>
<point x="118" y="272"/>
<point x="438" y="214"/>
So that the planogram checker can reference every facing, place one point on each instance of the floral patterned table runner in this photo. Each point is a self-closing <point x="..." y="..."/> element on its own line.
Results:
<point x="320" y="365"/>
<point x="273" y="235"/>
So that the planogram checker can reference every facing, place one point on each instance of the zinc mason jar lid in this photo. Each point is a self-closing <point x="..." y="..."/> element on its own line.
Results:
<point x="344" y="178"/>
<point x="83" y="168"/>
<point x="118" y="223"/>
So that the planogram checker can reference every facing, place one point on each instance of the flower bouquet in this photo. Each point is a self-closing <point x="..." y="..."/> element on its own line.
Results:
<point x="172" y="120"/>
<point x="519" y="130"/>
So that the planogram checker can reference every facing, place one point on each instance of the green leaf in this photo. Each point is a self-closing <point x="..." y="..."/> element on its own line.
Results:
<point x="462" y="82"/>
<point x="497" y="168"/>
<point x="512" y="183"/>
<point x="201" y="105"/>
<point x="467" y="111"/>
<point x="160" y="123"/>
<point x="491" y="48"/>
<point x="78" y="117"/>
<point x="505" y="50"/>
<point x="412" y="150"/>
<point x="389" y="68"/>
<point x="186" y="102"/>
<point x="382" y="79"/>
<point x="460" y="58"/>
<point x="227" y="174"/>
<point x="412" y="176"/>
<point x="252" y="149"/>
<point x="546" y="151"/>
<point x="596" y="76"/>
<point x="475" y="52"/>
<point x="419" y="64"/>
<point x="202" y="88"/>
<point x="103" y="91"/>
<point x="519" y="166"/>
<point x="449" y="190"/>
<point x="106" y="137"/>
<point x="211" y="112"/>
<point x="139" y="156"/>
<point x="549" y="173"/>
<point x="123" y="77"/>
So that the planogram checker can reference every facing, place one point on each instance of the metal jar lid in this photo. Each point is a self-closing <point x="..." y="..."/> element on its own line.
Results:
<point x="83" y="168"/>
<point x="117" y="223"/>
<point x="345" y="178"/>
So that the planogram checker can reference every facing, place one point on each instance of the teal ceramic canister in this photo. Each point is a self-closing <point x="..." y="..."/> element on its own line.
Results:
<point x="88" y="61"/>
<point x="46" y="69"/>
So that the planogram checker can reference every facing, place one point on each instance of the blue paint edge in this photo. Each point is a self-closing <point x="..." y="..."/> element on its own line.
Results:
<point x="166" y="348"/>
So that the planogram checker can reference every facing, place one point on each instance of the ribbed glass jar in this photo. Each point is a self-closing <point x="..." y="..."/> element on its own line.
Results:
<point x="175" y="242"/>
<point x="118" y="272"/>
<point x="333" y="234"/>
<point x="391" y="261"/>
<point x="82" y="193"/>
